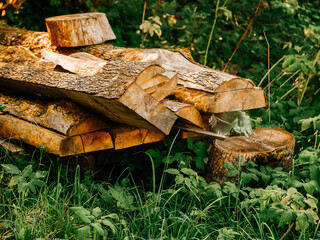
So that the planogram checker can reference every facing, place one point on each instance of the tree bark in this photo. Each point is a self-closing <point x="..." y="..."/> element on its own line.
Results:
<point x="265" y="146"/>
<point x="62" y="116"/>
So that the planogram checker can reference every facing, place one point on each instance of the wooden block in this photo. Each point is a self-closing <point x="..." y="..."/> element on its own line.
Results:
<point x="79" y="29"/>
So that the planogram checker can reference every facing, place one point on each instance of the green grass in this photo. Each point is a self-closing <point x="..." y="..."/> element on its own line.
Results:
<point x="72" y="205"/>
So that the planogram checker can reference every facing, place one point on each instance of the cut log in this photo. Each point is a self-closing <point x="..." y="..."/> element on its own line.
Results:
<point x="265" y="146"/>
<point x="186" y="112"/>
<point x="111" y="93"/>
<point x="61" y="116"/>
<point x="126" y="136"/>
<point x="164" y="89"/>
<point x="52" y="142"/>
<point x="243" y="99"/>
<point x="79" y="29"/>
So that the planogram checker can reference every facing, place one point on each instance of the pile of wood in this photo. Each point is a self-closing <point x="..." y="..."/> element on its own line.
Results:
<point x="79" y="100"/>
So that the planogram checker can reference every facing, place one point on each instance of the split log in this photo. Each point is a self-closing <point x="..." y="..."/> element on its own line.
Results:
<point x="111" y="93"/>
<point x="79" y="29"/>
<point x="126" y="136"/>
<point x="243" y="99"/>
<point x="188" y="113"/>
<point x="265" y="146"/>
<point x="52" y="142"/>
<point x="61" y="116"/>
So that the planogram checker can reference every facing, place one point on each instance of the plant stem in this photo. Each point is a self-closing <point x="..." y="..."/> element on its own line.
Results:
<point x="211" y="33"/>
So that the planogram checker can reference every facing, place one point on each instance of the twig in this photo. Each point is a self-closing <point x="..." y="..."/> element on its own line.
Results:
<point x="269" y="91"/>
<point x="202" y="132"/>
<point x="286" y="233"/>
<point x="244" y="34"/>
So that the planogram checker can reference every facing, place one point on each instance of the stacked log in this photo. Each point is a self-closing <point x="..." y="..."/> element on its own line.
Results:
<point x="103" y="97"/>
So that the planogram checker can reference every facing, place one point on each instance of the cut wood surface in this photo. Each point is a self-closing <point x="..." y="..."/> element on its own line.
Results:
<point x="267" y="146"/>
<point x="243" y="99"/>
<point x="185" y="111"/>
<point x="61" y="116"/>
<point x="111" y="93"/>
<point x="52" y="142"/>
<point x="79" y="29"/>
<point x="126" y="136"/>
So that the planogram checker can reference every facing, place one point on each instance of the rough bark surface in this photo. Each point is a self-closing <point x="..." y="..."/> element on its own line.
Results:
<point x="62" y="116"/>
<point x="79" y="29"/>
<point x="110" y="87"/>
<point x="266" y="146"/>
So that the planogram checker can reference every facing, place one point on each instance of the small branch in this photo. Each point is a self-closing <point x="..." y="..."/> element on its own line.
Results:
<point x="244" y="34"/>
<point x="202" y="132"/>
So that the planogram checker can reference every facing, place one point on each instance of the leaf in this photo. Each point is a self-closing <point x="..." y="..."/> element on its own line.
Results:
<point x="14" y="181"/>
<point x="83" y="232"/>
<point x="96" y="212"/>
<point x="188" y="171"/>
<point x="40" y="174"/>
<point x="31" y="187"/>
<point x="245" y="177"/>
<point x="232" y="173"/>
<point x="286" y="217"/>
<point x="187" y="182"/>
<point x="199" y="162"/>
<point x="172" y="171"/>
<point x="109" y="224"/>
<point x="11" y="169"/>
<point x="98" y="228"/>
<point x="228" y="165"/>
<point x="179" y="179"/>
<point x="302" y="220"/>
<point x="26" y="172"/>
<point x="82" y="213"/>
<point x="37" y="182"/>
<point x="190" y="143"/>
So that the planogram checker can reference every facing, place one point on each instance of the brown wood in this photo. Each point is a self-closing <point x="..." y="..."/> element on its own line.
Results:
<point x="126" y="136"/>
<point x="186" y="112"/>
<point x="191" y="75"/>
<point x="266" y="146"/>
<point x="79" y="29"/>
<point x="112" y="93"/>
<point x="9" y="147"/>
<point x="52" y="142"/>
<point x="61" y="116"/>
<point x="243" y="99"/>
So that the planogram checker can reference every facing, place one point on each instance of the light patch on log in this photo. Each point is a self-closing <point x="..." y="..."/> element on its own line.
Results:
<point x="243" y="99"/>
<point x="79" y="29"/>
<point x="125" y="137"/>
<point x="61" y="116"/>
<point x="81" y="66"/>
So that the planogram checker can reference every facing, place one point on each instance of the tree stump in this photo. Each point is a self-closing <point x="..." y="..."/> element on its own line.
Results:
<point x="79" y="29"/>
<point x="265" y="146"/>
